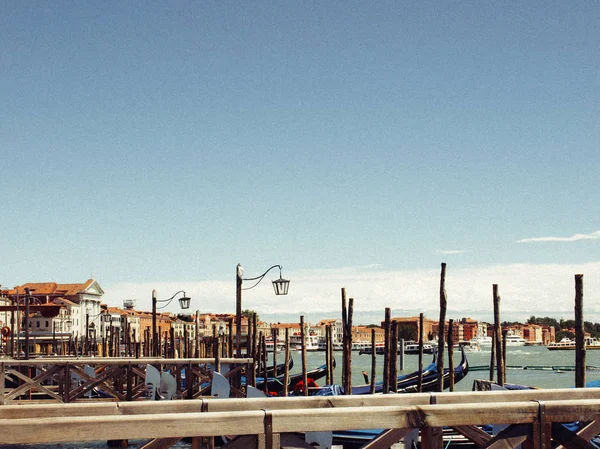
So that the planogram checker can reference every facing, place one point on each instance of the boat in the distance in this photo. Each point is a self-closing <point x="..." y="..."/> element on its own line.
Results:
<point x="513" y="339"/>
<point x="481" y="341"/>
<point x="567" y="344"/>
<point x="413" y="348"/>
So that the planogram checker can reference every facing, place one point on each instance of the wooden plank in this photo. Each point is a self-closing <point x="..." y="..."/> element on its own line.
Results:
<point x="559" y="410"/>
<point x="161" y="443"/>
<point x="242" y="442"/>
<point x="588" y="432"/>
<point x="2" y="383"/>
<point x="387" y="438"/>
<point x="509" y="438"/>
<point x="568" y="439"/>
<point x="432" y="438"/>
<point x="64" y="429"/>
<point x="474" y="434"/>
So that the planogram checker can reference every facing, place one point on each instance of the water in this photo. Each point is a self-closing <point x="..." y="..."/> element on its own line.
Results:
<point x="520" y="356"/>
<point x="516" y="356"/>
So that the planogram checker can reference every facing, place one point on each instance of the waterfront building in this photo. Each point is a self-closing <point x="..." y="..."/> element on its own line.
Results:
<point x="337" y="329"/>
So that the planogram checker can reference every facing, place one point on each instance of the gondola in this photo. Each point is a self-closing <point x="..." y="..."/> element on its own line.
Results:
<point x="408" y="383"/>
<point x="275" y="384"/>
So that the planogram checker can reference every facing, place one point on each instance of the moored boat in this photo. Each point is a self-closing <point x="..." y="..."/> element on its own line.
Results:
<point x="568" y="344"/>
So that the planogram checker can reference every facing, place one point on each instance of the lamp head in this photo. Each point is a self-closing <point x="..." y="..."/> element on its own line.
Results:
<point x="281" y="286"/>
<point x="184" y="301"/>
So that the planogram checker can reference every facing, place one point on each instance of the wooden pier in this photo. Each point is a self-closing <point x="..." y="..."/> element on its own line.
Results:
<point x="531" y="417"/>
<point x="119" y="379"/>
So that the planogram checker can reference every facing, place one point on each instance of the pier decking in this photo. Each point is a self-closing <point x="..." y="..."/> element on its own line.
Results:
<point x="531" y="416"/>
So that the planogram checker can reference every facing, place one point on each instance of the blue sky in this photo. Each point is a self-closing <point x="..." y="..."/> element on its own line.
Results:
<point x="357" y="144"/>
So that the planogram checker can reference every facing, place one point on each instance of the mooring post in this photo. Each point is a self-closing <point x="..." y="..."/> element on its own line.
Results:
<point x="420" y="383"/>
<point x="451" y="354"/>
<point x="440" y="351"/>
<point x="394" y="357"/>
<point x="286" y="369"/>
<point x="493" y="357"/>
<point x="579" y="334"/>
<point x="386" y="352"/>
<point x="373" y="361"/>
<point x="344" y="341"/>
<point x="504" y="334"/>
<point x="498" y="334"/>
<point x="302" y="338"/>
<point x="349" y="361"/>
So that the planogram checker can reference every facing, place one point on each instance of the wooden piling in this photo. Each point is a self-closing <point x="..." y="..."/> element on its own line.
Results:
<point x="286" y="369"/>
<point x="344" y="339"/>
<point x="440" y="352"/>
<point x="349" y="331"/>
<point x="302" y="338"/>
<point x="451" y="353"/>
<point x="373" y="362"/>
<point x="420" y="383"/>
<point x="579" y="334"/>
<point x="394" y="357"/>
<point x="504" y="334"/>
<point x="498" y="333"/>
<point x="274" y="338"/>
<point x="328" y="354"/>
<point x="386" y="352"/>
<point x="493" y="357"/>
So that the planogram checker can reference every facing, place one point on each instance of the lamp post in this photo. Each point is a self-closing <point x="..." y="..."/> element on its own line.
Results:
<point x="27" y="296"/>
<point x="279" y="285"/>
<point x="184" y="303"/>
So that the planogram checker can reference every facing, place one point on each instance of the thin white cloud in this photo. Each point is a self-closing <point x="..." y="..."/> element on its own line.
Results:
<point x="525" y="289"/>
<point x="574" y="238"/>
<point x="452" y="251"/>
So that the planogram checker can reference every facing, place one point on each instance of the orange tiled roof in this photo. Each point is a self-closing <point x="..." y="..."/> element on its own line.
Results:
<point x="51" y="288"/>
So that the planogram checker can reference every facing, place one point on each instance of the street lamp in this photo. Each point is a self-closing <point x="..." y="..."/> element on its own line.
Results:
<point x="279" y="285"/>
<point x="184" y="303"/>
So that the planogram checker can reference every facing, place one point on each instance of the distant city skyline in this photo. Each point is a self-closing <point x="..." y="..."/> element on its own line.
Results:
<point x="157" y="145"/>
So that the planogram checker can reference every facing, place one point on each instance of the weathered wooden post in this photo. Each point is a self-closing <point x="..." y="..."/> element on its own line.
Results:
<point x="264" y="361"/>
<point x="331" y="367"/>
<point x="349" y="361"/>
<point x="440" y="351"/>
<point x="386" y="352"/>
<point x="302" y="338"/>
<point x="286" y="369"/>
<point x="274" y="337"/>
<point x="344" y="340"/>
<point x="401" y="354"/>
<point x="420" y="382"/>
<point x="504" y="334"/>
<point x="451" y="354"/>
<point x="373" y="361"/>
<point x="253" y="351"/>
<point x="498" y="334"/>
<point x="328" y="354"/>
<point x="493" y="357"/>
<point x="579" y="334"/>
<point x="394" y="357"/>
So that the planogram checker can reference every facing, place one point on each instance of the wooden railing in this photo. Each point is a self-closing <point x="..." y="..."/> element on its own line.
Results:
<point x="531" y="418"/>
<point x="119" y="379"/>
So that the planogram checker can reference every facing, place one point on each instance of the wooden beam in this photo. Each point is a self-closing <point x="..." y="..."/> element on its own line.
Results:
<point x="387" y="438"/>
<point x="570" y="440"/>
<point x="509" y="438"/>
<point x="161" y="443"/>
<point x="474" y="434"/>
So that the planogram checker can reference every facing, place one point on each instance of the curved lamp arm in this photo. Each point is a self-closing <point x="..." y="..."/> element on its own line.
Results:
<point x="183" y="300"/>
<point x="280" y="285"/>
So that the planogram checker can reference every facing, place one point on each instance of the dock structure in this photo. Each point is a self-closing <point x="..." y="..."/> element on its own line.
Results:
<point x="532" y="418"/>
<point x="118" y="379"/>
